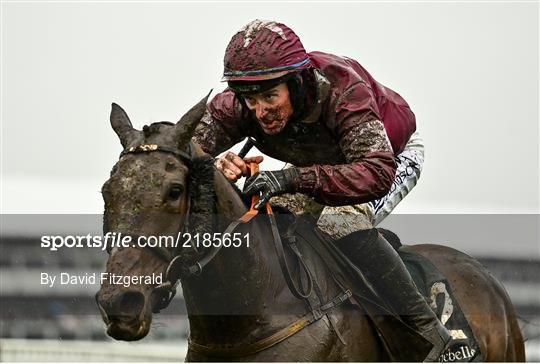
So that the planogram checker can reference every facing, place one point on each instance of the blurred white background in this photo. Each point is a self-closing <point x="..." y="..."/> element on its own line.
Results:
<point x="469" y="71"/>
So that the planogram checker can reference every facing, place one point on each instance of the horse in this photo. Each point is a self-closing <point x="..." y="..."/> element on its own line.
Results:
<point x="240" y="307"/>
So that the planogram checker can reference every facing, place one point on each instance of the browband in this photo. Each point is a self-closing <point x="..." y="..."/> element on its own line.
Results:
<point x="145" y="148"/>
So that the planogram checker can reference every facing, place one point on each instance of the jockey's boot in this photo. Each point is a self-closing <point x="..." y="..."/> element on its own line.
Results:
<point x="382" y="266"/>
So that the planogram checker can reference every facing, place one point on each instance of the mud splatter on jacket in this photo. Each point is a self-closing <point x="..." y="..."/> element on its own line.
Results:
<point x="345" y="145"/>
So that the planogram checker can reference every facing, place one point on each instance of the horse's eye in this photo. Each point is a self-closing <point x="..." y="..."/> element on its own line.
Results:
<point x="175" y="192"/>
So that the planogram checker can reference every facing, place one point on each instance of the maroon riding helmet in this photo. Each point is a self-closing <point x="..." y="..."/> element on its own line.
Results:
<point x="263" y="50"/>
<point x="264" y="54"/>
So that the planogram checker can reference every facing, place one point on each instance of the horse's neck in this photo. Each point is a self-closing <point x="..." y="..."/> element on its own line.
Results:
<point x="240" y="285"/>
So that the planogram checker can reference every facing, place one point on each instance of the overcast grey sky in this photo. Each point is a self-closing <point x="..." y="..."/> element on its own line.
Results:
<point x="468" y="70"/>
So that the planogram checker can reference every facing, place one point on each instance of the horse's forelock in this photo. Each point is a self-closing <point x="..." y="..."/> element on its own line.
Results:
<point x="154" y="128"/>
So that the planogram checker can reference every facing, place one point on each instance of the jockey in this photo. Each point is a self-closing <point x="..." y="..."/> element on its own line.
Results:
<point x="350" y="141"/>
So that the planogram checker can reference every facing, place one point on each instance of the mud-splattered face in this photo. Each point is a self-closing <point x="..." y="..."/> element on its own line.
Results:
<point x="145" y="196"/>
<point x="272" y="108"/>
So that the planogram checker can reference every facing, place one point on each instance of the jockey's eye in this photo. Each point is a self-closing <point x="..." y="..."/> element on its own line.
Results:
<point x="175" y="191"/>
<point x="269" y="97"/>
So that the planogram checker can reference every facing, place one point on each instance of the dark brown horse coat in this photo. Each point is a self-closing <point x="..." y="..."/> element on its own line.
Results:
<point x="241" y="296"/>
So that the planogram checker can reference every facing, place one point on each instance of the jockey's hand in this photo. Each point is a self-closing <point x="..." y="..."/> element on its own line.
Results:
<point x="271" y="183"/>
<point x="234" y="167"/>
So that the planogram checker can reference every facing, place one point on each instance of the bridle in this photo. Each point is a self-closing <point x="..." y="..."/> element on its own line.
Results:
<point x="165" y="292"/>
<point x="176" y="269"/>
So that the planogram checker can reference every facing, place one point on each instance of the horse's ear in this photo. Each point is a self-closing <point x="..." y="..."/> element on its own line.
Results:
<point x="122" y="125"/>
<point x="187" y="124"/>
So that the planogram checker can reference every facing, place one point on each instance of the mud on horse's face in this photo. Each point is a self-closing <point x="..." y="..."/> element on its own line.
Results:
<point x="146" y="195"/>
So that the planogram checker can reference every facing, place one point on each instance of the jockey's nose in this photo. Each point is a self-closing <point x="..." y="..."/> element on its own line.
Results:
<point x="260" y="110"/>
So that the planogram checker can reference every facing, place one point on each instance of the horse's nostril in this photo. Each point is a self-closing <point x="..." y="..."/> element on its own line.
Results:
<point x="131" y="303"/>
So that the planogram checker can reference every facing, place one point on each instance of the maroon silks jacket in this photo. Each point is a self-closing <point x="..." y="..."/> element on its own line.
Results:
<point x="344" y="147"/>
<point x="396" y="115"/>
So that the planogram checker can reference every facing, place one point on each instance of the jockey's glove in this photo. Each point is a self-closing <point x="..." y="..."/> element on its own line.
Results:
<point x="271" y="183"/>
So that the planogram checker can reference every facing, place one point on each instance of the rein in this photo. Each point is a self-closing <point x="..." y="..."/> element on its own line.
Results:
<point x="176" y="269"/>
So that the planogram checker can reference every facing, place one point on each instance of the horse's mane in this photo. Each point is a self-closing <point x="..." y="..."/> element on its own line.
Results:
<point x="202" y="194"/>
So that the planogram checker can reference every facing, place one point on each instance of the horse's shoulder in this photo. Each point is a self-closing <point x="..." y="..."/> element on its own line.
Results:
<point x="459" y="268"/>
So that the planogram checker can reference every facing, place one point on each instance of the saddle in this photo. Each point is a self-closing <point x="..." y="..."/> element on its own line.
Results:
<point x="402" y="342"/>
